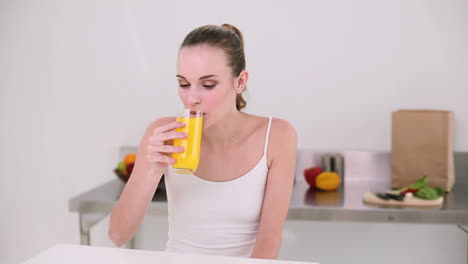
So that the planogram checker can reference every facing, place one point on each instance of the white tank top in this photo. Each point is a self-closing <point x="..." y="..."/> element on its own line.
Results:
<point x="216" y="218"/>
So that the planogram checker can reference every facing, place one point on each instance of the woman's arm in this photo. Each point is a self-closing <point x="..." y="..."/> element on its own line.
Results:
<point x="130" y="209"/>
<point x="282" y="148"/>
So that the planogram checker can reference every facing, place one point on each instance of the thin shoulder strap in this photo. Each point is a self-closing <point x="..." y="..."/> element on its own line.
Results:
<point x="267" y="136"/>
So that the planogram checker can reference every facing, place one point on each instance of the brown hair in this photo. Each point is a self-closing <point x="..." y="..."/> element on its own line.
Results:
<point x="226" y="37"/>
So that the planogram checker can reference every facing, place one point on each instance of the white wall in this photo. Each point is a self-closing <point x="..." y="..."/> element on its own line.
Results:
<point x="80" y="78"/>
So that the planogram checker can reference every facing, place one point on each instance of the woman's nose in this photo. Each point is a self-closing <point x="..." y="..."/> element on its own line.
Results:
<point x="194" y="100"/>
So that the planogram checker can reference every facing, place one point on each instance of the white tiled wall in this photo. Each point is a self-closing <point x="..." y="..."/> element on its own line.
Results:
<point x="78" y="79"/>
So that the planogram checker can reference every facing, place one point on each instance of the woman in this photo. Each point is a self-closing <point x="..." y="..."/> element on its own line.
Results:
<point x="237" y="201"/>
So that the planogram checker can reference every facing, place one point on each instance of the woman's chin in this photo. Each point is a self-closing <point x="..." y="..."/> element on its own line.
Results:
<point x="207" y="123"/>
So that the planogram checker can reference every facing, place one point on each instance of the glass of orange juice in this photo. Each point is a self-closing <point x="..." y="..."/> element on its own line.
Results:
<point x="187" y="161"/>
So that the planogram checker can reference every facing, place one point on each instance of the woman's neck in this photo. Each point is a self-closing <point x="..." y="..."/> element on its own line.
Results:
<point x="225" y="132"/>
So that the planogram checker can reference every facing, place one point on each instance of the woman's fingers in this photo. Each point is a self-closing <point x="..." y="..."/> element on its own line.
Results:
<point x="159" y="139"/>
<point x="160" y="158"/>
<point x="164" y="149"/>
<point x="173" y="135"/>
<point x="168" y="127"/>
<point x="158" y="150"/>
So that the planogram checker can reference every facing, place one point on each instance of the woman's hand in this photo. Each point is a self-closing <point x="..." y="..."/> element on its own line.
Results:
<point x="160" y="144"/>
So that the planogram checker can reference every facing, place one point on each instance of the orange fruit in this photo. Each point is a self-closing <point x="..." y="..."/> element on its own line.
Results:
<point x="328" y="181"/>
<point x="129" y="158"/>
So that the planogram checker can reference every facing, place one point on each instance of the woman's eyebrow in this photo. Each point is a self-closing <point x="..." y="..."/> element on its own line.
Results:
<point x="207" y="76"/>
<point x="201" y="78"/>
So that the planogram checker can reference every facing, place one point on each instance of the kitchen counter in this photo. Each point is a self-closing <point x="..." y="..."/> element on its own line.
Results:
<point x="364" y="171"/>
<point x="307" y="204"/>
<point x="347" y="205"/>
<point x="71" y="254"/>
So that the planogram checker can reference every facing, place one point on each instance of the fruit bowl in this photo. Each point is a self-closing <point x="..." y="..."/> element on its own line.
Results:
<point x="125" y="177"/>
<point x="125" y="167"/>
<point x="122" y="176"/>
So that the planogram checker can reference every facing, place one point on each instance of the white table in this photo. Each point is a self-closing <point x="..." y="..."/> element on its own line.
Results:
<point x="70" y="254"/>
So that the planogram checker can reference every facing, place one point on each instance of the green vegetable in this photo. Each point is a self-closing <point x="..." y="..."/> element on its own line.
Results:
<point x="424" y="192"/>
<point x="419" y="184"/>
<point x="429" y="193"/>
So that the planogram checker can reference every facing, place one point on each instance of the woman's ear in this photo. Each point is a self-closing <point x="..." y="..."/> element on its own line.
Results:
<point x="241" y="81"/>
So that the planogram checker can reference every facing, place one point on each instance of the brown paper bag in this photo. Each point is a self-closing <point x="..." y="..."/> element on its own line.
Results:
<point x="422" y="145"/>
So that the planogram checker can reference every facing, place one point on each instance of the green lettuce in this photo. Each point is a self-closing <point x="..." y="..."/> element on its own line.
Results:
<point x="424" y="192"/>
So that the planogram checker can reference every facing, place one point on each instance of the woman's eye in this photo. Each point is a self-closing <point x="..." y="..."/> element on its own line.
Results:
<point x="207" y="86"/>
<point x="211" y="86"/>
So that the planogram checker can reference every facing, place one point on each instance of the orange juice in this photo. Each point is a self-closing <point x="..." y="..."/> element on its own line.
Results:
<point x="187" y="161"/>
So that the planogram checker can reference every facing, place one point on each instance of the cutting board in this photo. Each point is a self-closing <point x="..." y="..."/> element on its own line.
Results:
<point x="371" y="198"/>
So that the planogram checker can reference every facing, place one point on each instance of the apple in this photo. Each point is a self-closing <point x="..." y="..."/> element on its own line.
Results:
<point x="310" y="174"/>
<point x="121" y="167"/>
<point x="129" y="168"/>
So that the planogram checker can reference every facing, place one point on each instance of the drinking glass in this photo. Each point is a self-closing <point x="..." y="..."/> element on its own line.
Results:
<point x="187" y="161"/>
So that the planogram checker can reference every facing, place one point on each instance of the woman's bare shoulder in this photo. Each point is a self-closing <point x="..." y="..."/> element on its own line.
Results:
<point x="281" y="131"/>
<point x="282" y="134"/>
<point x="259" y="122"/>
<point x="278" y="125"/>
<point x="282" y="126"/>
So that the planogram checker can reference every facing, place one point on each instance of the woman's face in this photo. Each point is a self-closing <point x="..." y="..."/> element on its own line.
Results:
<point x="206" y="82"/>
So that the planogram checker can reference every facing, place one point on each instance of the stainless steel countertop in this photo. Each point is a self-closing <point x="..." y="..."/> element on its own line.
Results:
<point x="307" y="204"/>
<point x="364" y="171"/>
<point x="347" y="205"/>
